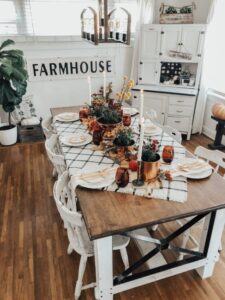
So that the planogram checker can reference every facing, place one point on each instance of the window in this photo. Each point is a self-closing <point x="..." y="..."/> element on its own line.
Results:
<point x="7" y="18"/>
<point x="50" y="17"/>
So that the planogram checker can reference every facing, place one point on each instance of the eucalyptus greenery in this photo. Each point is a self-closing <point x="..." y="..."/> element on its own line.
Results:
<point x="109" y="116"/>
<point x="124" y="137"/>
<point x="149" y="155"/>
<point x="13" y="77"/>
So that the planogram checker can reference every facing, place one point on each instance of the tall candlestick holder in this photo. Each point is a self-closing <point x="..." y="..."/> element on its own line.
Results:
<point x="139" y="181"/>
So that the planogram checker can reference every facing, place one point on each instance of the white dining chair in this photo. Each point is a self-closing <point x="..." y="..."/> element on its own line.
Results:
<point x="47" y="127"/>
<point x="215" y="156"/>
<point x="218" y="159"/>
<point x="57" y="159"/>
<point x="78" y="236"/>
<point x="173" y="132"/>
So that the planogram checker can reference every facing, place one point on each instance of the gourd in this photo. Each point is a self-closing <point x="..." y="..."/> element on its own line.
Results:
<point x="218" y="111"/>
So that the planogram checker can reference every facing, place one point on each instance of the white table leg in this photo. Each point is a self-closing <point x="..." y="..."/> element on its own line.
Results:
<point x="104" y="269"/>
<point x="216" y="235"/>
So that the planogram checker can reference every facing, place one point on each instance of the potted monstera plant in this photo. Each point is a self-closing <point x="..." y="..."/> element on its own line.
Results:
<point x="13" y="84"/>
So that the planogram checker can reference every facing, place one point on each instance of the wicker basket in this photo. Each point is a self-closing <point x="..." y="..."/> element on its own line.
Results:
<point x="176" y="18"/>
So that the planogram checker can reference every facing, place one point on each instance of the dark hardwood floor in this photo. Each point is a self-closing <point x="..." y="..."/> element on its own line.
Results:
<point x="33" y="260"/>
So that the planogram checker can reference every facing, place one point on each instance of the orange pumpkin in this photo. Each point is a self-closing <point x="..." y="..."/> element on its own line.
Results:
<point x="218" y="111"/>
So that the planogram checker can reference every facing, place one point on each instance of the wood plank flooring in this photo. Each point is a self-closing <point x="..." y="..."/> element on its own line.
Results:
<point x="33" y="260"/>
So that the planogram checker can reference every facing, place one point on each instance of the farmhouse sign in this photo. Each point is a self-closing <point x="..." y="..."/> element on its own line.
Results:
<point x="69" y="68"/>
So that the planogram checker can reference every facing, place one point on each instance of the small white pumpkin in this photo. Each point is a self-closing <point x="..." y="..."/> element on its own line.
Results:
<point x="218" y="111"/>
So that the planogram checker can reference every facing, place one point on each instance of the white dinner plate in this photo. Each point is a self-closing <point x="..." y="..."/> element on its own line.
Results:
<point x="67" y="117"/>
<point x="198" y="173"/>
<point x="76" y="139"/>
<point x="201" y="175"/>
<point x="130" y="110"/>
<point x="150" y="132"/>
<point x="97" y="182"/>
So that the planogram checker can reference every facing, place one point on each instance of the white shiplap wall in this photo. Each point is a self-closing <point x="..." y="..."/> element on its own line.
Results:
<point x="71" y="92"/>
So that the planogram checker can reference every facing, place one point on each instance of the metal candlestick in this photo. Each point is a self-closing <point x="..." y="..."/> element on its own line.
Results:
<point x="139" y="181"/>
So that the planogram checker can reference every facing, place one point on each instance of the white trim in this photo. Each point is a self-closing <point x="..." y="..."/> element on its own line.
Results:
<point x="215" y="94"/>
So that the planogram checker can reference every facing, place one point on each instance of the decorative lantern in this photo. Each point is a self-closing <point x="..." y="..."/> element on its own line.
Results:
<point x="113" y="27"/>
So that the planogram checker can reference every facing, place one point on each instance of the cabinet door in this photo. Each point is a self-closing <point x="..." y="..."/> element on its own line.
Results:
<point x="192" y="40"/>
<point x="148" y="72"/>
<point x="171" y="39"/>
<point x="150" y="42"/>
<point x="157" y="102"/>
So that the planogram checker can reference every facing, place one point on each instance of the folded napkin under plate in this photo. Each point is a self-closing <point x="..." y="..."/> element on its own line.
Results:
<point x="193" y="168"/>
<point x="94" y="178"/>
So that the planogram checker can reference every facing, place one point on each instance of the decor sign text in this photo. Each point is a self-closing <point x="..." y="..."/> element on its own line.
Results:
<point x="69" y="68"/>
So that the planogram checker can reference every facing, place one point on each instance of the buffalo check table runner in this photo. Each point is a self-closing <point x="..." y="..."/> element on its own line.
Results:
<point x="78" y="158"/>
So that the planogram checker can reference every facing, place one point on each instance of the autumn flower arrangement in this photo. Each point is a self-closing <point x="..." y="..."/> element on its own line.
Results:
<point x="125" y="93"/>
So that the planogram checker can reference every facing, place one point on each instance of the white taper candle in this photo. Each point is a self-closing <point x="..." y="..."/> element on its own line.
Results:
<point x="141" y="141"/>
<point x="89" y="85"/>
<point x="104" y="84"/>
<point x="141" y="106"/>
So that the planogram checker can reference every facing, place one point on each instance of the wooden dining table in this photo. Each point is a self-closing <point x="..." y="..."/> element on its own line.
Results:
<point x="108" y="213"/>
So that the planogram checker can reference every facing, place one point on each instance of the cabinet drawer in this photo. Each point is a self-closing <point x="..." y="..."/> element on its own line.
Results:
<point x="181" y="124"/>
<point x="182" y="100"/>
<point x="180" y="110"/>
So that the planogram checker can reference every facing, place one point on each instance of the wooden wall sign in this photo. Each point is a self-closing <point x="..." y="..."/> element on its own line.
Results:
<point x="69" y="68"/>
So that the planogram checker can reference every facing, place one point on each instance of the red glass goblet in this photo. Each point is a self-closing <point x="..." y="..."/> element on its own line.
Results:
<point x="168" y="154"/>
<point x="126" y="119"/>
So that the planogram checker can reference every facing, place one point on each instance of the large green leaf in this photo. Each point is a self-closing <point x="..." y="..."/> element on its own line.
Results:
<point x="7" y="43"/>
<point x="13" y="77"/>
<point x="8" y="97"/>
<point x="6" y="71"/>
<point x="20" y="87"/>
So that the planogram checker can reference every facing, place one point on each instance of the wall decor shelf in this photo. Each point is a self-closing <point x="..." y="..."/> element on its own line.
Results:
<point x="112" y="27"/>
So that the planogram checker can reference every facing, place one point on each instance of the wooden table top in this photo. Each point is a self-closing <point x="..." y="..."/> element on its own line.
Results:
<point x="59" y="110"/>
<point x="108" y="213"/>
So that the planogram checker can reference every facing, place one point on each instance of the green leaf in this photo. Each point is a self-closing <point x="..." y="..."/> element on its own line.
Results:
<point x="13" y="77"/>
<point x="20" y="87"/>
<point x="6" y="71"/>
<point x="7" y="43"/>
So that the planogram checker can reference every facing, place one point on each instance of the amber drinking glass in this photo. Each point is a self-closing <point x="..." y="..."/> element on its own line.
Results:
<point x="97" y="135"/>
<point x="122" y="177"/>
<point x="126" y="119"/>
<point x="168" y="154"/>
<point x="83" y="113"/>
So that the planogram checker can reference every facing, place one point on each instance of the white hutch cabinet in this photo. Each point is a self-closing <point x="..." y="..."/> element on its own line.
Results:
<point x="174" y="102"/>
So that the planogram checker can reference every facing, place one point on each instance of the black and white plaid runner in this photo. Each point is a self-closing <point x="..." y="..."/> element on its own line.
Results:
<point x="78" y="158"/>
